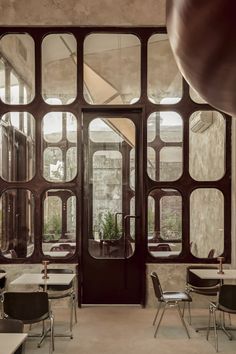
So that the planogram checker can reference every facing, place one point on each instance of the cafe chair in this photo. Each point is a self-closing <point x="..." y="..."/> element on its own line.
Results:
<point x="30" y="308"/>
<point x="226" y="303"/>
<point x="12" y="326"/>
<point x="206" y="287"/>
<point x="56" y="292"/>
<point x="168" y="298"/>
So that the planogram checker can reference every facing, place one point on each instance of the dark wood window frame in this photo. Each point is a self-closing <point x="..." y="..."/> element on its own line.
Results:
<point x="185" y="184"/>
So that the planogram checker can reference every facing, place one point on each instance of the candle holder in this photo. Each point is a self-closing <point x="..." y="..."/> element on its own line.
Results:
<point x="220" y="259"/>
<point x="45" y="270"/>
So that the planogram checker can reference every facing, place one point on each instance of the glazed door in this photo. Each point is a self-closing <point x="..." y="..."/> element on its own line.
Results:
<point x="112" y="261"/>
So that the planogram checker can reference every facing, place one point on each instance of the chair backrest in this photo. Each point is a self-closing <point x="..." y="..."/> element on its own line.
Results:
<point x="2" y="280"/>
<point x="157" y="286"/>
<point x="66" y="247"/>
<point x="163" y="247"/>
<point x="12" y="326"/>
<point x="55" y="249"/>
<point x="28" y="307"/>
<point x="227" y="297"/>
<point x="59" y="287"/>
<point x="211" y="253"/>
<point x="193" y="280"/>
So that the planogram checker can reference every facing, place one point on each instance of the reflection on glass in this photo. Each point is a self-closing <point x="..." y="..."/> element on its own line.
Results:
<point x="110" y="144"/>
<point x="112" y="68"/>
<point x="60" y="147"/>
<point x="17" y="146"/>
<point x="17" y="76"/>
<point x="207" y="223"/>
<point x="164" y="151"/>
<point x="165" y="223"/>
<point x="17" y="223"/>
<point x="206" y="145"/>
<point x="59" y="225"/>
<point x="59" y="68"/>
<point x="132" y="169"/>
<point x="164" y="78"/>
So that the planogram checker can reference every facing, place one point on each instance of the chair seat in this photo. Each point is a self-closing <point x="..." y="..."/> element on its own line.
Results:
<point x="176" y="296"/>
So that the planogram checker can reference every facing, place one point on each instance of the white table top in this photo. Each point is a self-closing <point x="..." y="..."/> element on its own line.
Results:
<point x="161" y="243"/>
<point x="57" y="244"/>
<point x="11" y="341"/>
<point x="212" y="273"/>
<point x="2" y="275"/>
<point x="37" y="279"/>
<point x="164" y="253"/>
<point x="56" y="253"/>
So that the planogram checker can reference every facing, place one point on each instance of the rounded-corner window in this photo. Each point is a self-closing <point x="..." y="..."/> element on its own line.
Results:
<point x="112" y="68"/>
<point x="17" y="147"/>
<point x="164" y="223"/>
<point x="59" y="68"/>
<point x="17" y="208"/>
<point x="17" y="76"/>
<point x="59" y="223"/>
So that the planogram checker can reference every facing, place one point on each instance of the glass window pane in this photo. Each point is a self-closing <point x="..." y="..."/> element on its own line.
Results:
<point x="59" y="68"/>
<point x="206" y="145"/>
<point x="132" y="169"/>
<point x="164" y="163"/>
<point x="171" y="163"/>
<point x="59" y="227"/>
<point x="164" y="78"/>
<point x="165" y="223"/>
<point x="17" y="146"/>
<point x="18" y="74"/>
<point x="207" y="222"/>
<point x="112" y="68"/>
<point x="17" y="223"/>
<point x="60" y="147"/>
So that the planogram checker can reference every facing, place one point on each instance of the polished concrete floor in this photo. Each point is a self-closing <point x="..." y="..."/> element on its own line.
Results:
<point x="129" y="330"/>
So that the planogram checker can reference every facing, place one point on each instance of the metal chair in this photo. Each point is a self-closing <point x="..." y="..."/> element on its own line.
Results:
<point x="29" y="307"/>
<point x="12" y="326"/>
<point x="226" y="303"/>
<point x="170" y="298"/>
<point x="206" y="287"/>
<point x="56" y="292"/>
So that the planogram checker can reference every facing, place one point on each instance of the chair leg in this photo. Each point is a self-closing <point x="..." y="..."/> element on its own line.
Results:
<point x="209" y="323"/>
<point x="158" y="325"/>
<point x="157" y="312"/>
<point x="75" y="310"/>
<point x="71" y="316"/>
<point x="52" y="344"/>
<point x="215" y="330"/>
<point x="189" y="313"/>
<point x="182" y="320"/>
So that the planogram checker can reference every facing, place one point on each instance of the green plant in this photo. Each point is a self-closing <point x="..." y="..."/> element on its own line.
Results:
<point x="53" y="226"/>
<point x="109" y="228"/>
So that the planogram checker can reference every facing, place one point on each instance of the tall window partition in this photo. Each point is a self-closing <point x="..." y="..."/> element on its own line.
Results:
<point x="50" y="77"/>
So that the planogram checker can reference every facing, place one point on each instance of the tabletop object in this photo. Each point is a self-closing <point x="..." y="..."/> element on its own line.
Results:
<point x="213" y="273"/>
<point x="11" y="341"/>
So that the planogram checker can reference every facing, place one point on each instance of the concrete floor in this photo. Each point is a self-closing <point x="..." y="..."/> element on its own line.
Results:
<point x="129" y="330"/>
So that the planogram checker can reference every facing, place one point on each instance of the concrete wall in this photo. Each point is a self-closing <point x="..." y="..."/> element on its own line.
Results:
<point x="82" y="12"/>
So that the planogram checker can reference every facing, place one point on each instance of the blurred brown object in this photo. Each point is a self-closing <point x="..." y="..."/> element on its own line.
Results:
<point x="202" y="36"/>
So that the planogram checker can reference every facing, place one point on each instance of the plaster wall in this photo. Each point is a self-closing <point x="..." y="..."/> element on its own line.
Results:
<point x="82" y="12"/>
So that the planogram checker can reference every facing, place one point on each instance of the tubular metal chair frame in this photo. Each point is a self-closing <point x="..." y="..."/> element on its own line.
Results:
<point x="205" y="289"/>
<point x="225" y="303"/>
<point x="17" y="304"/>
<point x="168" y="298"/>
<point x="56" y="292"/>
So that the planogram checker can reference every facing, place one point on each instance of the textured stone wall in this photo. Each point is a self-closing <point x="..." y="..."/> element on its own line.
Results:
<point x="82" y="12"/>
